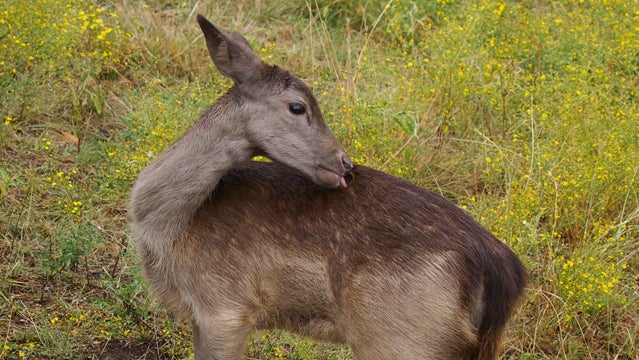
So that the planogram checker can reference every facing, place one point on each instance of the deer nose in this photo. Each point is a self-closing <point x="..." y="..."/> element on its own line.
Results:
<point x="346" y="162"/>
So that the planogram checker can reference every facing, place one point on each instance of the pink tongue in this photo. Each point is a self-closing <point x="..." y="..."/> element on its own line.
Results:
<point x="342" y="182"/>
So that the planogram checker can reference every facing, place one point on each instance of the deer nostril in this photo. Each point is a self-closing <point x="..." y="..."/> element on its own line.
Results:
<point x="348" y="165"/>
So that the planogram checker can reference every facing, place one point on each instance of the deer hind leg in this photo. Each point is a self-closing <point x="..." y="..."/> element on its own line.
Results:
<point x="221" y="336"/>
<point x="417" y="315"/>
<point x="403" y="331"/>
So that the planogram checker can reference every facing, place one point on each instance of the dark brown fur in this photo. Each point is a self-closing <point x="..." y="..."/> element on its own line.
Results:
<point x="393" y="270"/>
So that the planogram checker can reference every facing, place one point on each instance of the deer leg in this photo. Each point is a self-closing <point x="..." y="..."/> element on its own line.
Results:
<point x="416" y="316"/>
<point x="220" y="337"/>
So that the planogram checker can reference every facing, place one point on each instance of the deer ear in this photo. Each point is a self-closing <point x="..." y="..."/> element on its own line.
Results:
<point x="231" y="54"/>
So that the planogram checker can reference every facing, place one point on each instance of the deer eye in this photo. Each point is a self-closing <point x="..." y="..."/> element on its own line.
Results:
<point x="297" y="108"/>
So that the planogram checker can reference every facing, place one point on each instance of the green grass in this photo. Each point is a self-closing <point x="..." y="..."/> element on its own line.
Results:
<point x="525" y="113"/>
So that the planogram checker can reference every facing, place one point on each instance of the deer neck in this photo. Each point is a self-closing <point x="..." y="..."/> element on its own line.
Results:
<point x="172" y="188"/>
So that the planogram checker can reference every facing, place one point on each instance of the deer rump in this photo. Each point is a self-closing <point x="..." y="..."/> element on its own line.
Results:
<point x="392" y="269"/>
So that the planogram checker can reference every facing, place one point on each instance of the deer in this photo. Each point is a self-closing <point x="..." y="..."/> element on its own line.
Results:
<point x="309" y="242"/>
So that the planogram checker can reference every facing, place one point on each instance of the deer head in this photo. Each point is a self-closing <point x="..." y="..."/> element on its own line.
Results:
<point x="278" y="113"/>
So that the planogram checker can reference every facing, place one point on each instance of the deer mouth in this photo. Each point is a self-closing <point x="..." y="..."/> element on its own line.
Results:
<point x="332" y="179"/>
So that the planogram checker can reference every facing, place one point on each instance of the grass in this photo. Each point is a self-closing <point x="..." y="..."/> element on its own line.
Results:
<point x="525" y="113"/>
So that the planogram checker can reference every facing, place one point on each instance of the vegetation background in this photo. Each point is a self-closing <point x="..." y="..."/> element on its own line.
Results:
<point x="525" y="113"/>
